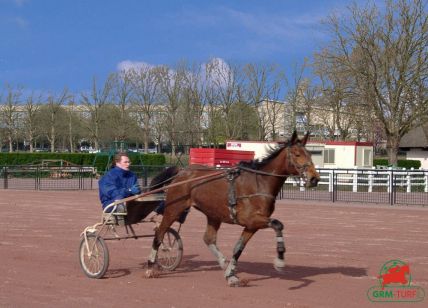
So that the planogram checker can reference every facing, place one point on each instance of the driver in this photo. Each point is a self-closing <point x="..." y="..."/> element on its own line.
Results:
<point x="118" y="183"/>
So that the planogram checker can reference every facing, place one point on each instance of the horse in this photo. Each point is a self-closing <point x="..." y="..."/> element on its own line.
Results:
<point x="244" y="195"/>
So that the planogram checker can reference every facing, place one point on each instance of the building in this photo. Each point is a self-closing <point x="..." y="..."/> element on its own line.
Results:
<point x="325" y="154"/>
<point x="415" y="144"/>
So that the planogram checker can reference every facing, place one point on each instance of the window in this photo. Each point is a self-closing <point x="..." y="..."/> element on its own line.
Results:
<point x="367" y="157"/>
<point x="328" y="156"/>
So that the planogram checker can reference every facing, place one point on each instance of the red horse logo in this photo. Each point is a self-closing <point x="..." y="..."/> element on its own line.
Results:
<point x="396" y="274"/>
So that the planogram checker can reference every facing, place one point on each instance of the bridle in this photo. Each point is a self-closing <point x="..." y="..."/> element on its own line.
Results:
<point x="301" y="169"/>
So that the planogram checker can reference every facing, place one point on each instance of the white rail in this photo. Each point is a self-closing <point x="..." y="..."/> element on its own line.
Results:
<point x="410" y="180"/>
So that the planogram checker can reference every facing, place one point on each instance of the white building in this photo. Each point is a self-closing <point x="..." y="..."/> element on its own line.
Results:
<point x="415" y="143"/>
<point x="328" y="154"/>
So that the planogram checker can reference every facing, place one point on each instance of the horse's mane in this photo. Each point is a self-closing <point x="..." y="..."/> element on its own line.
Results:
<point x="164" y="178"/>
<point x="271" y="154"/>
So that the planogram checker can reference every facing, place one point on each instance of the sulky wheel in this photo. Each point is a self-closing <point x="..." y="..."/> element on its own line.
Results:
<point x="94" y="262"/>
<point x="170" y="251"/>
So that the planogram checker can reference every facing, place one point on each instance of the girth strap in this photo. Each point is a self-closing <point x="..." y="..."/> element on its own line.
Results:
<point x="232" y="174"/>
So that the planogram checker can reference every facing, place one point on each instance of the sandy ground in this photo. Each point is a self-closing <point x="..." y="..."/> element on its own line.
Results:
<point x="334" y="254"/>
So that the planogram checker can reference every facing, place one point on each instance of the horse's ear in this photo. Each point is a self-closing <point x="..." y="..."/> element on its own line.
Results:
<point x="293" y="138"/>
<point x="306" y="138"/>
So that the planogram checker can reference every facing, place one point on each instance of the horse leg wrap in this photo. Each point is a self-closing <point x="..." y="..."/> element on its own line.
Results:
<point x="280" y="246"/>
<point x="230" y="270"/>
<point x="221" y="259"/>
<point x="239" y="247"/>
<point x="276" y="225"/>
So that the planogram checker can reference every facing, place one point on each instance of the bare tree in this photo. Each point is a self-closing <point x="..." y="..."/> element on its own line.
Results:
<point x="122" y="93"/>
<point x="262" y="85"/>
<point x="192" y="107"/>
<point x="54" y="106"/>
<point x="93" y="103"/>
<point x="172" y="84"/>
<point x="9" y="114"/>
<point x="385" y="52"/>
<point x="145" y="82"/>
<point x="31" y="109"/>
<point x="227" y="83"/>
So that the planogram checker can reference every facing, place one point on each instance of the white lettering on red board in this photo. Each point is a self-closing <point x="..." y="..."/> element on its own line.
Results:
<point x="233" y="144"/>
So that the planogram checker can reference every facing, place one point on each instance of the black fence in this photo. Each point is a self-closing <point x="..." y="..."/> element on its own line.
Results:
<point x="62" y="178"/>
<point x="363" y="185"/>
<point x="344" y="185"/>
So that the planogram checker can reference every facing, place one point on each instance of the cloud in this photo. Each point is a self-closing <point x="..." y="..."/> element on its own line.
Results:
<point x="128" y="65"/>
<point x="20" y="3"/>
<point x="20" y="22"/>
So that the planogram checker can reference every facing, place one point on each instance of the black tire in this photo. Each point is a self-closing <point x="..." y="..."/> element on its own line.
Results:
<point x="95" y="265"/>
<point x="170" y="252"/>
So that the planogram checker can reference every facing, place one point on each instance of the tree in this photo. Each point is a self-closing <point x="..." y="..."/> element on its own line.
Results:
<point x="172" y="84"/>
<point x="54" y="109"/>
<point x="93" y="103"/>
<point x="31" y="109"/>
<point x="122" y="97"/>
<point x="385" y="53"/>
<point x="146" y="85"/>
<point x="262" y="89"/>
<point x="9" y="114"/>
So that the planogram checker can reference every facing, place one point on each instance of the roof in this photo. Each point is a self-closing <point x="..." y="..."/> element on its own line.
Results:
<point x="416" y="138"/>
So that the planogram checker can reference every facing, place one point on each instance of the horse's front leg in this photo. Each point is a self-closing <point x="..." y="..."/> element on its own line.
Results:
<point x="230" y="273"/>
<point x="166" y="222"/>
<point x="280" y="246"/>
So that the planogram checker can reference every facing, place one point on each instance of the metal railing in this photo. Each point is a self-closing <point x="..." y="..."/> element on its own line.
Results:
<point x="363" y="185"/>
<point x="36" y="177"/>
<point x="344" y="185"/>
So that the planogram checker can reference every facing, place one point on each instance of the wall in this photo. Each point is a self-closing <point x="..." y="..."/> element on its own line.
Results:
<point x="418" y="154"/>
<point x="344" y="156"/>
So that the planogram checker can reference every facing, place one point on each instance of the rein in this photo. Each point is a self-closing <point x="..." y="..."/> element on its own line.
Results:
<point x="262" y="172"/>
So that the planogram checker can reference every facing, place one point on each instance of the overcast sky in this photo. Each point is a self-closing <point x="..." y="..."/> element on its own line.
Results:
<point x="46" y="45"/>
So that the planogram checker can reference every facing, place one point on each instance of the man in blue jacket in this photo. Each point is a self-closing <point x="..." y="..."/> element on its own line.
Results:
<point x="118" y="183"/>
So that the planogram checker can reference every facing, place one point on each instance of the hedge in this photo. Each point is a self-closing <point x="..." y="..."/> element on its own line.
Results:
<point x="401" y="163"/>
<point x="100" y="161"/>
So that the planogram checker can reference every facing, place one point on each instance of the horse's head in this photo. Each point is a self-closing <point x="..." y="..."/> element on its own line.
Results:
<point x="300" y="161"/>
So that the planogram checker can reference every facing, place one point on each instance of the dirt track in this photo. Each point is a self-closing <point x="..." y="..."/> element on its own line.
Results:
<point x="334" y="253"/>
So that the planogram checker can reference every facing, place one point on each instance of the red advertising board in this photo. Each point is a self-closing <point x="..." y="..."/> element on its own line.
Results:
<point x="218" y="157"/>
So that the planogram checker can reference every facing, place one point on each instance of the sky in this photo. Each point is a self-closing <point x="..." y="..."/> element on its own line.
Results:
<point x="47" y="45"/>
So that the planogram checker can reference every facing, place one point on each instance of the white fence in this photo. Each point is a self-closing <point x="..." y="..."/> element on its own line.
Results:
<point x="378" y="185"/>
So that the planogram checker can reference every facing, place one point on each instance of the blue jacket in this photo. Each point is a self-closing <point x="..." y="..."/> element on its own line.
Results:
<point x="115" y="185"/>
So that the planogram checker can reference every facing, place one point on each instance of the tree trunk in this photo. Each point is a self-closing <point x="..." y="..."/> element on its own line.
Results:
<point x="392" y="145"/>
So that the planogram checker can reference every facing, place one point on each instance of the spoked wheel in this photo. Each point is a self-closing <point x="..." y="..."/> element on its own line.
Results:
<point x="95" y="260"/>
<point x="170" y="251"/>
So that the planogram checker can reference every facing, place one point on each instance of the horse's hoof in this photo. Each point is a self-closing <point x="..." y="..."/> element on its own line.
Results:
<point x="233" y="281"/>
<point x="150" y="273"/>
<point x="278" y="264"/>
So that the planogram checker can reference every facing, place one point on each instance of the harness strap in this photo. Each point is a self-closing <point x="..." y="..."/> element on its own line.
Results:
<point x="262" y="172"/>
<point x="232" y="174"/>
<point x="257" y="195"/>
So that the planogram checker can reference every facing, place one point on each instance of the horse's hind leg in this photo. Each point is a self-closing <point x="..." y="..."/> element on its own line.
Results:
<point x="280" y="246"/>
<point x="230" y="273"/>
<point x="210" y="239"/>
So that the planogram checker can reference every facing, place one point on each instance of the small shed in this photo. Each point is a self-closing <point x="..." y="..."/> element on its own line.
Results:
<point x="415" y="144"/>
<point x="325" y="154"/>
<point x="347" y="154"/>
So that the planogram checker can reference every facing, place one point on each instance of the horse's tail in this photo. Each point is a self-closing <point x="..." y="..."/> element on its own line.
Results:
<point x="164" y="178"/>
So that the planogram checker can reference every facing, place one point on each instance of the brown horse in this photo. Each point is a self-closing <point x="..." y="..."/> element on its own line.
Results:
<point x="244" y="195"/>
